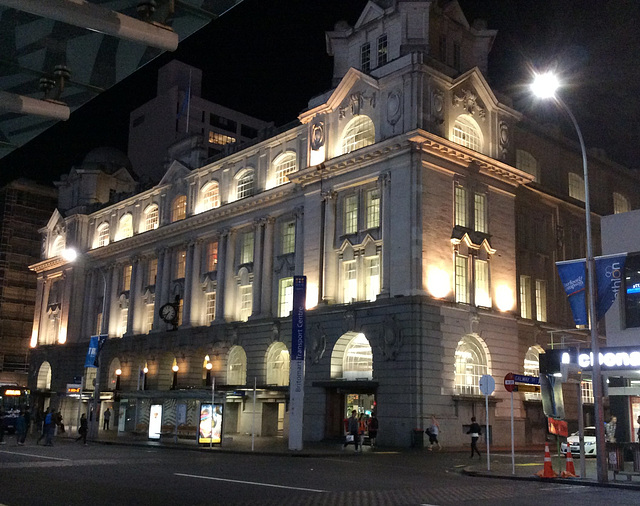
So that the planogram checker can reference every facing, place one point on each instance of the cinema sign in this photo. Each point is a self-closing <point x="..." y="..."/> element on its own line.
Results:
<point x="619" y="358"/>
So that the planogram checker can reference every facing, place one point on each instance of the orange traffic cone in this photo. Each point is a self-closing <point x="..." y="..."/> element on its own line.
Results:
<point x="571" y="470"/>
<point x="548" y="471"/>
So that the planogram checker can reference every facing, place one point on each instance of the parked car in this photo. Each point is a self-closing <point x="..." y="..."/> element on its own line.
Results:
<point x="573" y="441"/>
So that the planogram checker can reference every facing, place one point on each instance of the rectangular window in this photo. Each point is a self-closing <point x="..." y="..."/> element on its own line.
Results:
<point x="382" y="50"/>
<point x="576" y="186"/>
<point x="461" y="214"/>
<point x="480" y="212"/>
<point x="181" y="262"/>
<point x="372" y="277"/>
<point x="462" y="279"/>
<point x="212" y="256"/>
<point x="246" y="250"/>
<point x="443" y="48"/>
<point x="285" y="297"/>
<point x="350" y="288"/>
<point x="246" y="300"/>
<point x="220" y="139"/>
<point x="351" y="214"/>
<point x="482" y="294"/>
<point x="586" y="388"/>
<point x="149" y="319"/>
<point x="373" y="208"/>
<point x="124" y="316"/>
<point x="126" y="278"/>
<point x="456" y="56"/>
<point x="288" y="237"/>
<point x="541" y="300"/>
<point x="211" y="306"/>
<point x="152" y="271"/>
<point x="365" y="57"/>
<point x="525" y="296"/>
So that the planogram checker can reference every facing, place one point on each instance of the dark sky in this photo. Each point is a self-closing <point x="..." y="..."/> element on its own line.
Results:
<point x="267" y="58"/>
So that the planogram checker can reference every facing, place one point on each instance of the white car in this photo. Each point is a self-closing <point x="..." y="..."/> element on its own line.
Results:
<point x="573" y="441"/>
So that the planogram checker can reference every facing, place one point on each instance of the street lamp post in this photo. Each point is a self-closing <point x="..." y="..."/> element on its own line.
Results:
<point x="545" y="86"/>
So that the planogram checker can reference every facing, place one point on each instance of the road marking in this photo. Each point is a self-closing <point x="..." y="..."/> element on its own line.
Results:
<point x="249" y="482"/>
<point x="32" y="455"/>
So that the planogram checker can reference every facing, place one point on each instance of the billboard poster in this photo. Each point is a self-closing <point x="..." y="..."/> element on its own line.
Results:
<point x="155" y="421"/>
<point x="210" y="426"/>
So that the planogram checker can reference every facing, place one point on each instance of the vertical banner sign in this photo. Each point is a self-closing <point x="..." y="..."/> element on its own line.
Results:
<point x="572" y="274"/>
<point x="296" y="378"/>
<point x="609" y="272"/>
<point x="92" y="352"/>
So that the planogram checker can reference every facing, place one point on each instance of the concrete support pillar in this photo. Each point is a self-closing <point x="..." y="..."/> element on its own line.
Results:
<point x="267" y="267"/>
<point x="385" y="264"/>
<point x="258" y="231"/>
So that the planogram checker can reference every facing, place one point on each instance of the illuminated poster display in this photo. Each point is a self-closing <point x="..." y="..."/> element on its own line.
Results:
<point x="155" y="421"/>
<point x="210" y="427"/>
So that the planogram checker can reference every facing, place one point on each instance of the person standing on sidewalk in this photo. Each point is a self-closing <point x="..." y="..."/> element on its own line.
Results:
<point x="475" y="430"/>
<point x="84" y="428"/>
<point x="373" y="429"/>
<point x="106" y="417"/>
<point x="49" y="428"/>
<point x="21" y="429"/>
<point x="433" y="431"/>
<point x="41" y="426"/>
<point x="352" y="431"/>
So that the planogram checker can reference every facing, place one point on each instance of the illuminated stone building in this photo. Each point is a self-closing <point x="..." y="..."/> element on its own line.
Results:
<point x="425" y="211"/>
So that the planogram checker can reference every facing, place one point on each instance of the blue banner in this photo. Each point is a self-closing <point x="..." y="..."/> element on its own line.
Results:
<point x="95" y="345"/>
<point x="299" y="317"/>
<point x="573" y="276"/>
<point x="609" y="276"/>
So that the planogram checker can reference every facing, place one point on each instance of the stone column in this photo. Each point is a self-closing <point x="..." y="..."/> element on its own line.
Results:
<point x="88" y="320"/>
<point x="330" y="261"/>
<point x="267" y="267"/>
<point x="197" y="317"/>
<point x="133" y="316"/>
<point x="385" y="182"/>
<point x="166" y="277"/>
<point x="220" y="275"/>
<point x="113" y="320"/>
<point x="230" y="285"/>
<point x="257" y="267"/>
<point x="157" y="291"/>
<point x="299" y="245"/>
<point x="188" y="286"/>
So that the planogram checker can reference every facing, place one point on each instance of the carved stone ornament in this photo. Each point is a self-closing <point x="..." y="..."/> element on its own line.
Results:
<point x="504" y="140"/>
<point x="349" y="324"/>
<point x="390" y="338"/>
<point x="438" y="106"/>
<point x="394" y="107"/>
<point x="317" y="135"/>
<point x="275" y="332"/>
<point x="470" y="103"/>
<point x="317" y="343"/>
<point x="356" y="101"/>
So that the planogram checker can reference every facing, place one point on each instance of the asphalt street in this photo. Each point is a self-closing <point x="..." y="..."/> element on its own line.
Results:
<point x="72" y="474"/>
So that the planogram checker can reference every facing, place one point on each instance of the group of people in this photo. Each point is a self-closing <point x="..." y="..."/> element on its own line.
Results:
<point x="356" y="428"/>
<point x="23" y="420"/>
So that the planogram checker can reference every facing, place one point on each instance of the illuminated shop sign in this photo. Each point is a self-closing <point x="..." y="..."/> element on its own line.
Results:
<point x="608" y="358"/>
<point x="13" y="393"/>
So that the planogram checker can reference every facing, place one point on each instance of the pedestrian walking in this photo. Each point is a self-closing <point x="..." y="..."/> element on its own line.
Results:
<point x="106" y="418"/>
<point x="49" y="428"/>
<point x="42" y="426"/>
<point x="27" y="420"/>
<point x="373" y="429"/>
<point x="21" y="429"/>
<point x="84" y="428"/>
<point x="475" y="430"/>
<point x="432" y="432"/>
<point x="352" y="431"/>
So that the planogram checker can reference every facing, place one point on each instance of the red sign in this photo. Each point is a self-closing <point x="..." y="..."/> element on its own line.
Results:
<point x="558" y="427"/>
<point x="509" y="382"/>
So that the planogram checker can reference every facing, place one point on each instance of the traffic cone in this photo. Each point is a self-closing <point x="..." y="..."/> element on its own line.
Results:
<point x="548" y="471"/>
<point x="571" y="470"/>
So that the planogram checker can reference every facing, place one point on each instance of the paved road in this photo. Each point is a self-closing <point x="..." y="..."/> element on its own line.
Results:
<point x="72" y="474"/>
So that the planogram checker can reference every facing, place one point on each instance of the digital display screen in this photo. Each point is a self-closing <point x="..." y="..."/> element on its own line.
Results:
<point x="155" y="421"/>
<point x="210" y="425"/>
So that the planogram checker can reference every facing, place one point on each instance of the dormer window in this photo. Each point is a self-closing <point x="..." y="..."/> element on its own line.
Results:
<point x="151" y="218"/>
<point x="125" y="228"/>
<point x="365" y="57"/>
<point x="467" y="133"/>
<point x="358" y="133"/>
<point x="58" y="246"/>
<point x="283" y="165"/>
<point x="245" y="185"/>
<point x="102" y="235"/>
<point x="179" y="208"/>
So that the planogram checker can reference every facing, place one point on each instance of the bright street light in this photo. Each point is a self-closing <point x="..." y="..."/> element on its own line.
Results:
<point x="545" y="86"/>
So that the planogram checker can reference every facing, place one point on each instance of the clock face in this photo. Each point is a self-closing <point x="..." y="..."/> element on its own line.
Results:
<point x="168" y="312"/>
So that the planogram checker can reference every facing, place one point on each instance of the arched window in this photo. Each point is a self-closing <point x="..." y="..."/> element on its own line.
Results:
<point x="357" y="362"/>
<point x="527" y="163"/>
<point x="179" y="208"/>
<point x="470" y="365"/>
<point x="278" y="365"/>
<point x="125" y="228"/>
<point x="151" y="218"/>
<point x="467" y="133"/>
<point x="44" y="377"/>
<point x="358" y="133"/>
<point x="283" y="165"/>
<point x="210" y="196"/>
<point x="237" y="366"/>
<point x="102" y="235"/>
<point x="532" y="368"/>
<point x="620" y="203"/>
<point x="58" y="246"/>
<point x="576" y="186"/>
<point x="245" y="184"/>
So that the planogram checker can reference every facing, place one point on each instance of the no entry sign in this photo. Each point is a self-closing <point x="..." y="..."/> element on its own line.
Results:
<point x="509" y="382"/>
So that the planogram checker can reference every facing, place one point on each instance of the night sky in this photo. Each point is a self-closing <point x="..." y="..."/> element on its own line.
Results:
<point x="266" y="58"/>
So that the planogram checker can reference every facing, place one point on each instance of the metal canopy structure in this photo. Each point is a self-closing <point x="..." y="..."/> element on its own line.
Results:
<point x="56" y="55"/>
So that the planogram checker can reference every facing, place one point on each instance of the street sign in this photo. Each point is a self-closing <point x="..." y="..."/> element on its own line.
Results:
<point x="487" y="384"/>
<point x="509" y="382"/>
<point x="529" y="380"/>
<point x="526" y="388"/>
